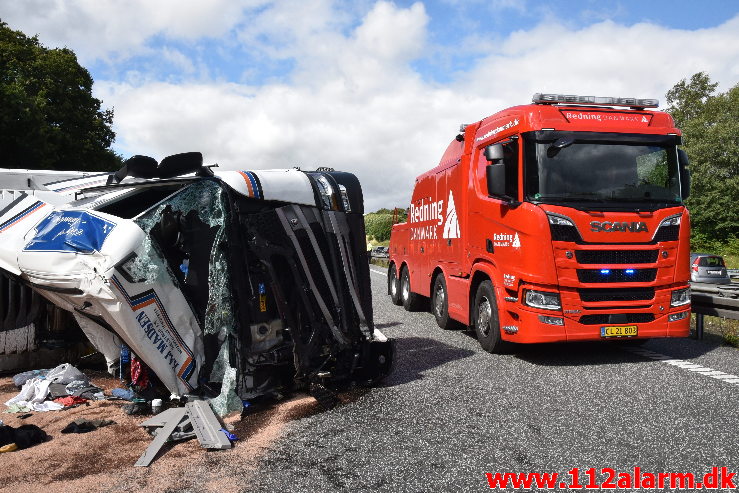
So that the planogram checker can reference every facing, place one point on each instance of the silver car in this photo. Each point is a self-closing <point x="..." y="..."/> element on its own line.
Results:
<point x="705" y="267"/>
<point x="381" y="252"/>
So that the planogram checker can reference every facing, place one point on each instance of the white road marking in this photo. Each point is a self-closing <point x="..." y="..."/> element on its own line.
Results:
<point x="686" y="365"/>
<point x="378" y="272"/>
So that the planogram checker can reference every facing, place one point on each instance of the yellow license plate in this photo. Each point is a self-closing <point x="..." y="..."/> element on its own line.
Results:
<point x="619" y="331"/>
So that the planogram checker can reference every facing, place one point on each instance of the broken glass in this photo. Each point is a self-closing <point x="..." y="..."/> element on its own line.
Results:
<point x="182" y="227"/>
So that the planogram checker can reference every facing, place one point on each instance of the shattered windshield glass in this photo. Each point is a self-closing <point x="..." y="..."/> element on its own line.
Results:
<point x="186" y="236"/>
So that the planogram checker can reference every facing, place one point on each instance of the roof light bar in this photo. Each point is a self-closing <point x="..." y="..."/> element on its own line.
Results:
<point x="594" y="100"/>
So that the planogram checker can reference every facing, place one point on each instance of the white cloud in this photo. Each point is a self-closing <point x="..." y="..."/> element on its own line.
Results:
<point x="115" y="29"/>
<point x="357" y="107"/>
<point x="178" y="60"/>
<point x="643" y="60"/>
<point x="353" y="100"/>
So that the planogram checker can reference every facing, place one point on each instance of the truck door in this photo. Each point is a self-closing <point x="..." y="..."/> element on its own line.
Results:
<point x="498" y="230"/>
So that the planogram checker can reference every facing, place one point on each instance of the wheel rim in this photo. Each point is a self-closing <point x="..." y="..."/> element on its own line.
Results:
<point x="406" y="287"/>
<point x="439" y="298"/>
<point x="484" y="314"/>
<point x="393" y="284"/>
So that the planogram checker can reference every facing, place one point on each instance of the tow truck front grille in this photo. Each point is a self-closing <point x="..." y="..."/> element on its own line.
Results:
<point x="616" y="256"/>
<point x="616" y="318"/>
<point x="616" y="275"/>
<point x="616" y="294"/>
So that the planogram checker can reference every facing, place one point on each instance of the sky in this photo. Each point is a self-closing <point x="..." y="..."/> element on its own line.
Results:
<point x="376" y="88"/>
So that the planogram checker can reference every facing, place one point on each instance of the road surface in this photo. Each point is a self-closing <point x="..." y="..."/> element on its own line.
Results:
<point x="450" y="413"/>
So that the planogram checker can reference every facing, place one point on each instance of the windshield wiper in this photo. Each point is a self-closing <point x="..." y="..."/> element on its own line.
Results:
<point x="571" y="198"/>
<point x="654" y="200"/>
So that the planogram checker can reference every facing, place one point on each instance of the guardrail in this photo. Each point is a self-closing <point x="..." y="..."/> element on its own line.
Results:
<point x="715" y="300"/>
<point x="733" y="273"/>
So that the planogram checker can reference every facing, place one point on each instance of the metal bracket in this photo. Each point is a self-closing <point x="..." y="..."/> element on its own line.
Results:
<point x="196" y="419"/>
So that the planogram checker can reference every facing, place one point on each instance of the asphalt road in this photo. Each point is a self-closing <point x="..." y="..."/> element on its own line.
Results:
<point x="450" y="413"/>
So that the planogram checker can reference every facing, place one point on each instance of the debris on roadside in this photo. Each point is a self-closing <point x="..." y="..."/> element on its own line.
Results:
<point x="52" y="390"/>
<point x="24" y="436"/>
<point x="83" y="425"/>
<point x="176" y="424"/>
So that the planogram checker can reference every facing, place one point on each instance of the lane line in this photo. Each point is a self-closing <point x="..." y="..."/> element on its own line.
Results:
<point x="379" y="273"/>
<point x="686" y="365"/>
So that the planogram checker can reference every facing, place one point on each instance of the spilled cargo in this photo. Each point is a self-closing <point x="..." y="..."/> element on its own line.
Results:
<point x="230" y="285"/>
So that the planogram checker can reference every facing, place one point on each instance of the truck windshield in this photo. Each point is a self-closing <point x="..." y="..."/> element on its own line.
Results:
<point x="566" y="167"/>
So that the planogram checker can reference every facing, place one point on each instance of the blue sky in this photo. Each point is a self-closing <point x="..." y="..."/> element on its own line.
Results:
<point x="372" y="87"/>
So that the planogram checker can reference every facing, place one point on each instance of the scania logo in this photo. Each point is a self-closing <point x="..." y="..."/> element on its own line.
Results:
<point x="609" y="227"/>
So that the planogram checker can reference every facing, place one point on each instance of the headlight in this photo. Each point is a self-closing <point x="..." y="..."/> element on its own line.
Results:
<point x="542" y="299"/>
<point x="562" y="228"/>
<point x="559" y="220"/>
<point x="671" y="221"/>
<point x="680" y="297"/>
<point x="328" y="196"/>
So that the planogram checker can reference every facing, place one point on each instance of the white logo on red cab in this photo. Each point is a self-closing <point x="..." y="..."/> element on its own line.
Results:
<point x="451" y="224"/>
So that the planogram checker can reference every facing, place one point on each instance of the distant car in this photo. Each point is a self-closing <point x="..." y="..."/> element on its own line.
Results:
<point x="381" y="252"/>
<point x="705" y="267"/>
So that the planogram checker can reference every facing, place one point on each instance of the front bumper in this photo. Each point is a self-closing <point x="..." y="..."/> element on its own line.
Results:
<point x="532" y="330"/>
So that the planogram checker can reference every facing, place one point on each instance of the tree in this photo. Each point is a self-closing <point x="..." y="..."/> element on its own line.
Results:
<point x="710" y="125"/>
<point x="48" y="116"/>
<point x="378" y="225"/>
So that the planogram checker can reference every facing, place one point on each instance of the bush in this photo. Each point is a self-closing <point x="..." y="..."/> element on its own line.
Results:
<point x="378" y="226"/>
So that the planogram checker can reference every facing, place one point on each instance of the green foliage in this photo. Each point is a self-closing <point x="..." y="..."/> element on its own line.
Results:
<point x="710" y="125"/>
<point x="402" y="213"/>
<point x="378" y="226"/>
<point x="48" y="117"/>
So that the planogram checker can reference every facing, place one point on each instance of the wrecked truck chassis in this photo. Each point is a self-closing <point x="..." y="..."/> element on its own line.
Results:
<point x="253" y="283"/>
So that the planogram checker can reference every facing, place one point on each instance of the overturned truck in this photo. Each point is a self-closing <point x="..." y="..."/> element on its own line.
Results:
<point x="248" y="282"/>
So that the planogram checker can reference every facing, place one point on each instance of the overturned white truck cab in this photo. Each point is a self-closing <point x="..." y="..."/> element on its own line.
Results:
<point x="247" y="282"/>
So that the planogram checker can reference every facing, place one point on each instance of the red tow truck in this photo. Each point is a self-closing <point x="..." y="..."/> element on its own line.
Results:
<point x="560" y="220"/>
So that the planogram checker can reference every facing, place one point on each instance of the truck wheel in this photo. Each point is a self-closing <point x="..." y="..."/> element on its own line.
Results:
<point x="440" y="303"/>
<point x="411" y="301"/>
<point x="485" y="319"/>
<point x="393" y="285"/>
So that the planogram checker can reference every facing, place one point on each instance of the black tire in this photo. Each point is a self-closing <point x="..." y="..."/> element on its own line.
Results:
<point x="485" y="319"/>
<point x="411" y="301"/>
<point x="393" y="285"/>
<point x="440" y="303"/>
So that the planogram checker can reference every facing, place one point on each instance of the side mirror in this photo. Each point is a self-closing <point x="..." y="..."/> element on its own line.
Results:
<point x="180" y="164"/>
<point x="138" y="166"/>
<point x="494" y="153"/>
<point x="684" y="166"/>
<point x="495" y="177"/>
<point x="171" y="166"/>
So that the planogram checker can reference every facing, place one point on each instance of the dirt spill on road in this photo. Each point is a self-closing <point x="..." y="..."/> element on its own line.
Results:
<point x="103" y="460"/>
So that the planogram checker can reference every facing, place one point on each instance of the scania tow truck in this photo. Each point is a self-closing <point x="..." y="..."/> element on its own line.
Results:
<point x="559" y="220"/>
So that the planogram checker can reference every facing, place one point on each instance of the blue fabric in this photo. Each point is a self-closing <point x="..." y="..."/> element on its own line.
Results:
<point x="125" y="394"/>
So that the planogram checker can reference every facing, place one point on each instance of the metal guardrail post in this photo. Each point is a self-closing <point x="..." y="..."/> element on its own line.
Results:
<point x="699" y="326"/>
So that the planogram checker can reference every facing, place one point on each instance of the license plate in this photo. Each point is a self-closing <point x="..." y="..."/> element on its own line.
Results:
<point x="619" y="331"/>
<point x="715" y="272"/>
